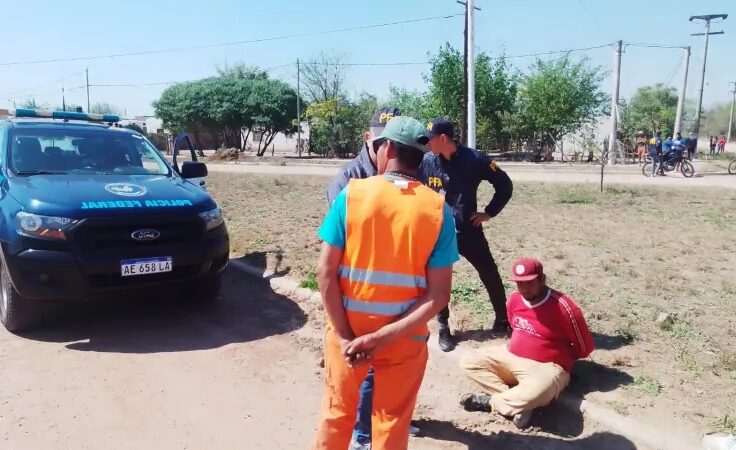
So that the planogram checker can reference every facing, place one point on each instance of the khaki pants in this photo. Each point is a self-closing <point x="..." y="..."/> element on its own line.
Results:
<point x="515" y="384"/>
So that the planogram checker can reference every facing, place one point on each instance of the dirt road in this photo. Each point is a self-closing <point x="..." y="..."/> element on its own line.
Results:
<point x="630" y="175"/>
<point x="232" y="375"/>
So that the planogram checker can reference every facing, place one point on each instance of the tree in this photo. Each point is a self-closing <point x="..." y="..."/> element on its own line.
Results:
<point x="31" y="103"/>
<point x="104" y="108"/>
<point x="495" y="89"/>
<point x="242" y="71"/>
<point x="651" y="108"/>
<point x="337" y="126"/>
<point x="411" y="103"/>
<point x="230" y="107"/>
<point x="323" y="77"/>
<point x="559" y="97"/>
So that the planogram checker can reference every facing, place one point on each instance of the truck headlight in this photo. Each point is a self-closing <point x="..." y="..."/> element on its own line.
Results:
<point x="44" y="227"/>
<point x="213" y="218"/>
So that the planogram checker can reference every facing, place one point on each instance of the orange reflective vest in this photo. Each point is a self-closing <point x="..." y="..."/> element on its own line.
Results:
<point x="391" y="229"/>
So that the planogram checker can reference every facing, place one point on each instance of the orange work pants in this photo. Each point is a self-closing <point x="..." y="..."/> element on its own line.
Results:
<point x="399" y="369"/>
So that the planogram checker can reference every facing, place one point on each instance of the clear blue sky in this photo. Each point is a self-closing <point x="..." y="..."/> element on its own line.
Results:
<point x="55" y="29"/>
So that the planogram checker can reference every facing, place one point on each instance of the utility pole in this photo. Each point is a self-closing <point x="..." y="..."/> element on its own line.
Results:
<point x="63" y="100"/>
<point x="464" y="113"/>
<point x="707" y="19"/>
<point x="730" y="118"/>
<point x="612" y="150"/>
<point x="298" y="111"/>
<point x="471" y="74"/>
<point x="683" y="88"/>
<point x="87" y="72"/>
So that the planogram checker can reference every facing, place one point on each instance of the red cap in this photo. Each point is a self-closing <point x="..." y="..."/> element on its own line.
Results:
<point x="526" y="269"/>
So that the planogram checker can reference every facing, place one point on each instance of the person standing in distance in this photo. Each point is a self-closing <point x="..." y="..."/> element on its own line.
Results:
<point x="456" y="171"/>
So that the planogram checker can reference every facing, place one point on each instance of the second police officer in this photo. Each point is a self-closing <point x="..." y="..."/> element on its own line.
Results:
<point x="456" y="171"/>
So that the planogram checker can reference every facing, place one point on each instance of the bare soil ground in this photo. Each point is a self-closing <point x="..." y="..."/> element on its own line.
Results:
<point x="625" y="256"/>
<point x="238" y="373"/>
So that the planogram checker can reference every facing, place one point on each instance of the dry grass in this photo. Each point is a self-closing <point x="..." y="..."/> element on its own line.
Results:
<point x="624" y="256"/>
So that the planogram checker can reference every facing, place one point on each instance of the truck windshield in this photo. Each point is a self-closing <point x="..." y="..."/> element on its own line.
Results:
<point x="34" y="151"/>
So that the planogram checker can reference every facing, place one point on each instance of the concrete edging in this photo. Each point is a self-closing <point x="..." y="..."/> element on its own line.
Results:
<point x="636" y="431"/>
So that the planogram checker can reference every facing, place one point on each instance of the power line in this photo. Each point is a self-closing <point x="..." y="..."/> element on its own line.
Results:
<point x="639" y="44"/>
<point x="570" y="50"/>
<point x="39" y="94"/>
<point x="58" y="80"/>
<point x="227" y="44"/>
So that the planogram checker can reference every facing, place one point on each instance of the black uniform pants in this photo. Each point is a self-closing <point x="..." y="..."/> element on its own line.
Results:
<point x="473" y="246"/>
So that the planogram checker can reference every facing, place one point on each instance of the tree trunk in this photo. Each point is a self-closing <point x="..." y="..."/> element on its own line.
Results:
<point x="260" y="152"/>
<point x="245" y="141"/>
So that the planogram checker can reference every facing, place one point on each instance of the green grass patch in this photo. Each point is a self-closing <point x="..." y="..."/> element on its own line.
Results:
<point x="575" y="197"/>
<point x="310" y="282"/>
<point x="471" y="297"/>
<point x="647" y="385"/>
<point x="717" y="219"/>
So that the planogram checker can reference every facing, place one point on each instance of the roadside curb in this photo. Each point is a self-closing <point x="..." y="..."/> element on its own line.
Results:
<point x="629" y="427"/>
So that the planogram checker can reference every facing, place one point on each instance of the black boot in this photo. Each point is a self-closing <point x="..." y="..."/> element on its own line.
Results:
<point x="447" y="343"/>
<point x="500" y="328"/>
<point x="476" y="402"/>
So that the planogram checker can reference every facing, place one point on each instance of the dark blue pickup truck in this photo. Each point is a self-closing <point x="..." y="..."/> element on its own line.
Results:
<point x="88" y="209"/>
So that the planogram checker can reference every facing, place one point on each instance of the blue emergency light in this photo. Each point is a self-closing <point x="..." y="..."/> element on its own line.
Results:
<point x="65" y="115"/>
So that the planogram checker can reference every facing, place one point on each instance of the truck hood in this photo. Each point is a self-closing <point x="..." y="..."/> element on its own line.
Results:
<point x="79" y="196"/>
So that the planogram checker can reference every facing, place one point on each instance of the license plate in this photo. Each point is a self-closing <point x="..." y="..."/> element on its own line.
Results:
<point x="145" y="266"/>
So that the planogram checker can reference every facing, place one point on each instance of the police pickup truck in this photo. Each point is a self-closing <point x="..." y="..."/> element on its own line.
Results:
<point x="88" y="210"/>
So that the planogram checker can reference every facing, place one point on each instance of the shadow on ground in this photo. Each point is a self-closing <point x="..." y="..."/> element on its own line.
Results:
<point x="589" y="376"/>
<point x="259" y="260"/>
<point x="247" y="310"/>
<point x="608" y="342"/>
<point x="447" y="432"/>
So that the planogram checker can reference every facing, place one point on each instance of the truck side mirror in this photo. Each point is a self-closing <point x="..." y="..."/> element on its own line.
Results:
<point x="193" y="169"/>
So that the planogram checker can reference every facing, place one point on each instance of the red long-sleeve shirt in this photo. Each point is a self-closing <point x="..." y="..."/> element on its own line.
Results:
<point x="553" y="330"/>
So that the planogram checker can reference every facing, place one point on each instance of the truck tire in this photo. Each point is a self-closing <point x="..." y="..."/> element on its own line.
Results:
<point x="16" y="312"/>
<point x="205" y="290"/>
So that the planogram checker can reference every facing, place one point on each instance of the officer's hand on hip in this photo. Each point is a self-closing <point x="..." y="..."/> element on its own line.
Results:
<point x="477" y="219"/>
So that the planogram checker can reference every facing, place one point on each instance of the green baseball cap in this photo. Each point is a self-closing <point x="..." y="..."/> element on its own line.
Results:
<point x="408" y="131"/>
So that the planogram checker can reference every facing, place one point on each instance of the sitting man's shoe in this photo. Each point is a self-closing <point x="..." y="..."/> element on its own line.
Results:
<point x="522" y="419"/>
<point x="447" y="343"/>
<point x="476" y="402"/>
<point x="500" y="328"/>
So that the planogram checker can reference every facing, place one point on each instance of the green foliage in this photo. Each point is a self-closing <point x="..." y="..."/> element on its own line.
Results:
<point x="648" y="385"/>
<point x="651" y="108"/>
<point x="411" y="103"/>
<point x="715" y="120"/>
<point x="310" y="282"/>
<point x="104" y="108"/>
<point x="226" y="105"/>
<point x="31" y="103"/>
<point x="559" y="97"/>
<point x="337" y="125"/>
<point x="495" y="91"/>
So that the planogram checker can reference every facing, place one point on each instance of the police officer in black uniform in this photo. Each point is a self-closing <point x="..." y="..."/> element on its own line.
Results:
<point x="363" y="165"/>
<point x="456" y="171"/>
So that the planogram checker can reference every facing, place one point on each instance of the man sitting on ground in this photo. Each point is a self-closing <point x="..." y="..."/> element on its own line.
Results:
<point x="548" y="334"/>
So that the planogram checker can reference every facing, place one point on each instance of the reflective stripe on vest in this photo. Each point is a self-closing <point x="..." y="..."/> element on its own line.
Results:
<point x="382" y="277"/>
<point x="377" y="308"/>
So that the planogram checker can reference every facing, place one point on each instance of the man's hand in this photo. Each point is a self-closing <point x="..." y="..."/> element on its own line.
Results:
<point x="351" y="358"/>
<point x="360" y="350"/>
<point x="477" y="219"/>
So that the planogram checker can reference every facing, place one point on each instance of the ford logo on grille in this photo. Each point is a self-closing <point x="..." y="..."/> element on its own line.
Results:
<point x="145" y="235"/>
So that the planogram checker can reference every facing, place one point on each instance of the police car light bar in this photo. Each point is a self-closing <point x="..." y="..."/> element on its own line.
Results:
<point x="66" y="115"/>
